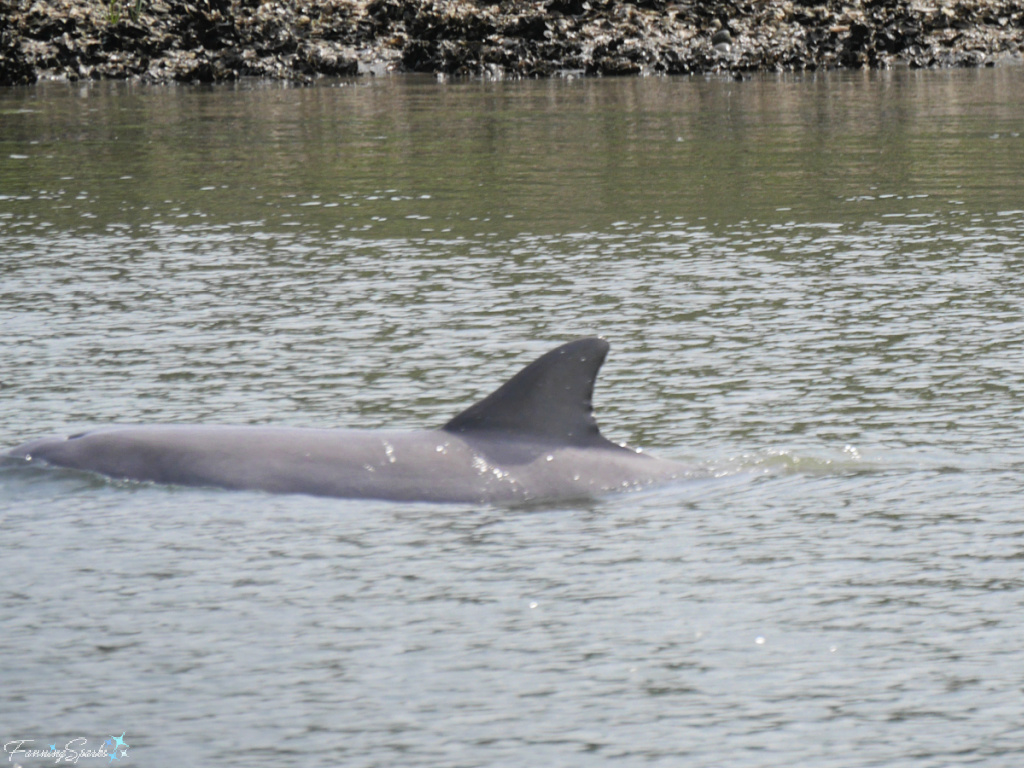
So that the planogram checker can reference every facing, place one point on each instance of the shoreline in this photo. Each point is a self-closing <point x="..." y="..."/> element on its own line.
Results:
<point x="163" y="41"/>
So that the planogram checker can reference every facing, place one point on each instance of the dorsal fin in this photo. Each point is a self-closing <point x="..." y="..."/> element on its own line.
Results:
<point x="549" y="400"/>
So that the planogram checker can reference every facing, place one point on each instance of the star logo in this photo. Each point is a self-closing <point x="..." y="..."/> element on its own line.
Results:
<point x="118" y="743"/>
<point x="53" y="747"/>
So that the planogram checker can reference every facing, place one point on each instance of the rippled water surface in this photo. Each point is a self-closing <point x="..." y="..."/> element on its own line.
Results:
<point x="813" y="288"/>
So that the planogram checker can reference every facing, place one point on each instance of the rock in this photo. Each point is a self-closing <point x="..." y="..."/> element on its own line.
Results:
<point x="299" y="40"/>
<point x="15" y="66"/>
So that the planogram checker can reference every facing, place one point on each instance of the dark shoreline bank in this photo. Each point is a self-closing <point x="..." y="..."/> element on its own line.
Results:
<point x="298" y="40"/>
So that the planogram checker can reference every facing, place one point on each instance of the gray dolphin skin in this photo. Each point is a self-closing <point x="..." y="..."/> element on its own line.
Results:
<point x="533" y="439"/>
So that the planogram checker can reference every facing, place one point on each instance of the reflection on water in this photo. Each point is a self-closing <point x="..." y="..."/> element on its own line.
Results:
<point x="811" y="285"/>
<point x="414" y="157"/>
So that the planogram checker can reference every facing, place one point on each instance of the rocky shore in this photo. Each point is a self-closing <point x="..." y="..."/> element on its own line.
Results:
<point x="300" y="40"/>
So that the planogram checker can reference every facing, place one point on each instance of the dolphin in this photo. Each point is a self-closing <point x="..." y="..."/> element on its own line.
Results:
<point x="533" y="439"/>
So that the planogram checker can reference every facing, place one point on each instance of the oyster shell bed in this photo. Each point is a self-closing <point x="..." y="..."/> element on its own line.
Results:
<point x="220" y="40"/>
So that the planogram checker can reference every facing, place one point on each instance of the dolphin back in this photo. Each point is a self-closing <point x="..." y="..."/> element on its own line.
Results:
<point x="533" y="438"/>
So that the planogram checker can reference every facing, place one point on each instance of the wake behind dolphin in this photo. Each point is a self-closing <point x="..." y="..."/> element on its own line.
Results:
<point x="532" y="439"/>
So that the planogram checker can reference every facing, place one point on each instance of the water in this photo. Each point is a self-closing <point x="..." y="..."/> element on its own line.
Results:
<point x="812" y="287"/>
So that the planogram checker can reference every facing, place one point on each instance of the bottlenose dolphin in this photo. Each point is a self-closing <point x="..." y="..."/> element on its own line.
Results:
<point x="532" y="439"/>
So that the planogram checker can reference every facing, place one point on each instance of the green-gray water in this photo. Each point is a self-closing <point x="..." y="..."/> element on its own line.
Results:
<point x="812" y="287"/>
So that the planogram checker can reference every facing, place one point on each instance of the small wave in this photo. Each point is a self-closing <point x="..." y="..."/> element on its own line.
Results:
<point x="784" y="461"/>
<point x="854" y="460"/>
